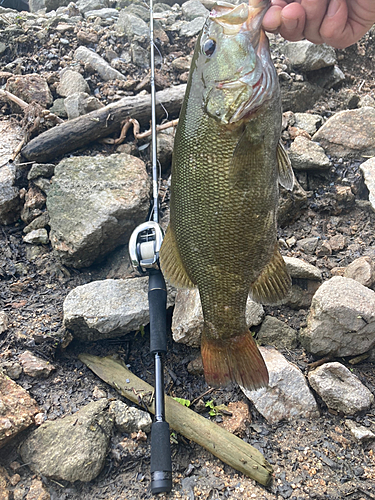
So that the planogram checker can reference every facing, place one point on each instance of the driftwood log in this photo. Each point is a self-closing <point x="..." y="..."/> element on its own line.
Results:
<point x="221" y="443"/>
<point x="79" y="132"/>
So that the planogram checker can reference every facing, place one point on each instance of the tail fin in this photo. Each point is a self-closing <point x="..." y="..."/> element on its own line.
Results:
<point x="233" y="360"/>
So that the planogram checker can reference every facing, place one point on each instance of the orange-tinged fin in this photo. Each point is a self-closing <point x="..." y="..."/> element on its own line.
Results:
<point x="236" y="359"/>
<point x="286" y="174"/>
<point x="171" y="263"/>
<point x="273" y="283"/>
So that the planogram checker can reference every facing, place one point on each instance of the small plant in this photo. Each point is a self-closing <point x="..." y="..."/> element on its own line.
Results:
<point x="216" y="410"/>
<point x="183" y="402"/>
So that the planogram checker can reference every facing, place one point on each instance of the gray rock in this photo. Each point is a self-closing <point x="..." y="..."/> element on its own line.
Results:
<point x="341" y="321"/>
<point x="187" y="320"/>
<point x="306" y="279"/>
<point x="34" y="366"/>
<point x="301" y="269"/>
<point x="129" y="419"/>
<point x="182" y="64"/>
<point x="140" y="56"/>
<point x="36" y="5"/>
<point x="165" y="150"/>
<point x="94" y="204"/>
<point x="349" y="133"/>
<point x="86" y="5"/>
<point x="72" y="82"/>
<point x="3" y="322"/>
<point x="299" y="96"/>
<point x="37" y="237"/>
<point x="72" y="448"/>
<point x="17" y="409"/>
<point x="41" y="170"/>
<point x="308" y="245"/>
<point x="193" y="27"/>
<point x="105" y="70"/>
<point x="327" y="78"/>
<point x="13" y="370"/>
<point x="276" y="333"/>
<point x="132" y="26"/>
<point x="43" y="184"/>
<point x="193" y="9"/>
<point x="10" y="203"/>
<point x="308" y="122"/>
<point x="340" y="389"/>
<point x="366" y="101"/>
<point x="360" y="432"/>
<point x="368" y="170"/>
<point x="106" y="13"/>
<point x="291" y="203"/>
<point x="55" y="4"/>
<point x="306" y="56"/>
<point x="308" y="155"/>
<point x="58" y="108"/>
<point x="288" y="396"/>
<point x="38" y="223"/>
<point x="108" y="308"/>
<point x="362" y="270"/>
<point x="140" y="11"/>
<point x="80" y="103"/>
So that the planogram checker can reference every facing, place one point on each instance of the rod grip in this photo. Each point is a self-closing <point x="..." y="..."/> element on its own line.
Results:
<point x="157" y="297"/>
<point x="161" y="463"/>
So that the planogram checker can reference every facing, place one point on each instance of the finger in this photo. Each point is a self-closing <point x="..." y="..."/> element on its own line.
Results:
<point x="315" y="13"/>
<point x="272" y="19"/>
<point x="292" y="22"/>
<point x="335" y="28"/>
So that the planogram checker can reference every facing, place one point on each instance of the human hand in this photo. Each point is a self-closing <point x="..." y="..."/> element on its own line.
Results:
<point x="338" y="23"/>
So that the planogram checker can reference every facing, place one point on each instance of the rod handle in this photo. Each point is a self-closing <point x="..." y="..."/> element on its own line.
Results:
<point x="157" y="297"/>
<point x="161" y="463"/>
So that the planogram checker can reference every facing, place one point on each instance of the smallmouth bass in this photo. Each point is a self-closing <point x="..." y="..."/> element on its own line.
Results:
<point x="227" y="164"/>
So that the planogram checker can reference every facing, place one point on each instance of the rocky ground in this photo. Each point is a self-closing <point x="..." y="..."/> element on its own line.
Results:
<point x="316" y="424"/>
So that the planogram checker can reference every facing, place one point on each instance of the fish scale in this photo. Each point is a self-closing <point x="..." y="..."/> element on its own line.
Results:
<point x="224" y="191"/>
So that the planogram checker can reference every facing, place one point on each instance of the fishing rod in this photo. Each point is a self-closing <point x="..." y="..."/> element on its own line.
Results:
<point x="144" y="246"/>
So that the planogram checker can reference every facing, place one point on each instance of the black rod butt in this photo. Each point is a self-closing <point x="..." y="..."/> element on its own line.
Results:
<point x="161" y="464"/>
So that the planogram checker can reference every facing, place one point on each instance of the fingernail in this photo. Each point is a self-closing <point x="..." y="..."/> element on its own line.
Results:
<point x="290" y="24"/>
<point x="333" y="7"/>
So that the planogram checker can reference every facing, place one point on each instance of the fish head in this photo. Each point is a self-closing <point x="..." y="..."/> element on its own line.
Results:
<point x="237" y="73"/>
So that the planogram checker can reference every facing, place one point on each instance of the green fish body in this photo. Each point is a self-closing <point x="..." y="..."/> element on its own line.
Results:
<point x="227" y="165"/>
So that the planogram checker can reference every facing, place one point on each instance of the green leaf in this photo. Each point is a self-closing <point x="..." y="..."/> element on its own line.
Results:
<point x="183" y="402"/>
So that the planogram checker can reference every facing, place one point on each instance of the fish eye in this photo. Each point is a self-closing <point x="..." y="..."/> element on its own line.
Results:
<point x="209" y="47"/>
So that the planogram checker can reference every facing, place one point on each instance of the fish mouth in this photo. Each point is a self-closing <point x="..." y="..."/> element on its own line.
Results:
<point x="259" y="83"/>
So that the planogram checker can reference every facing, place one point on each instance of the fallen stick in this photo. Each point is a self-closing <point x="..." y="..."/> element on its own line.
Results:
<point x="221" y="443"/>
<point x="79" y="132"/>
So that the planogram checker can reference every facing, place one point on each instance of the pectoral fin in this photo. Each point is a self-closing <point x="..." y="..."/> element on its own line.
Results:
<point x="171" y="263"/>
<point x="273" y="283"/>
<point x="286" y="175"/>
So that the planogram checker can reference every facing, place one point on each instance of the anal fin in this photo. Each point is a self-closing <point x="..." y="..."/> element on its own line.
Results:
<point x="273" y="283"/>
<point x="171" y="263"/>
<point x="286" y="174"/>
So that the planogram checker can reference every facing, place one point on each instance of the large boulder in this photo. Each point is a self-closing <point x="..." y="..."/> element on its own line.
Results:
<point x="10" y="203"/>
<point x="287" y="396"/>
<point x="94" y="204"/>
<point x="72" y="448"/>
<point x="107" y="309"/>
<point x="349" y="133"/>
<point x="340" y="389"/>
<point x="341" y="321"/>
